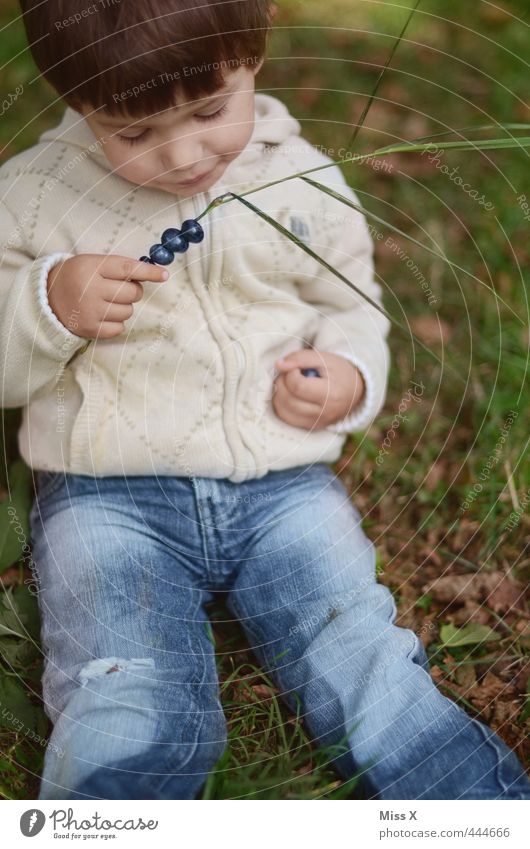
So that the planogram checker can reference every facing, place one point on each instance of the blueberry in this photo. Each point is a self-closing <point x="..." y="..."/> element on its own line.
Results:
<point x="310" y="372"/>
<point x="174" y="240"/>
<point x="147" y="259"/>
<point x="161" y="255"/>
<point x="192" y="230"/>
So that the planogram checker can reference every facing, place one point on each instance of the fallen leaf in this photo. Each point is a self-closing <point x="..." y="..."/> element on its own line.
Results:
<point x="453" y="588"/>
<point x="505" y="711"/>
<point x="495" y="589"/>
<point x="489" y="689"/>
<point x="500" y="592"/>
<point x="263" y="692"/>
<point x="466" y="676"/>
<point x="437" y="674"/>
<point x="472" y="611"/>
<point x="469" y="635"/>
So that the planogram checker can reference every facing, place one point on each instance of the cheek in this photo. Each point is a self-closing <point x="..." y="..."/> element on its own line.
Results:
<point x="128" y="163"/>
<point x="234" y="139"/>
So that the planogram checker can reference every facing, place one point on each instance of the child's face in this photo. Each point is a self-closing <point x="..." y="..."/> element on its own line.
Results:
<point x="190" y="140"/>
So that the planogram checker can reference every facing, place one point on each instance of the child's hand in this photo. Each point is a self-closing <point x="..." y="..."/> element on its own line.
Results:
<point x="316" y="402"/>
<point x="93" y="294"/>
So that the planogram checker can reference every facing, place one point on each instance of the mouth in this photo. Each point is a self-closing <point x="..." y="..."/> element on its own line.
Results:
<point x="189" y="183"/>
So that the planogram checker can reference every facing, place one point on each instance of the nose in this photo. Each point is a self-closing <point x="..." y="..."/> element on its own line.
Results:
<point x="181" y="156"/>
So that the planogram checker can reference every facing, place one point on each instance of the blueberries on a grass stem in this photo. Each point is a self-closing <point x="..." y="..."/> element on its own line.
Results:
<point x="310" y="372"/>
<point x="192" y="230"/>
<point x="174" y="240"/>
<point x="161" y="255"/>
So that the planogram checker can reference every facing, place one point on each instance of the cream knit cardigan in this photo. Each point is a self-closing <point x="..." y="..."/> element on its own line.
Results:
<point x="186" y="388"/>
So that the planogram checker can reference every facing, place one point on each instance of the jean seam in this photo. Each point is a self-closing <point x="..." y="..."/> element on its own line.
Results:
<point x="50" y="486"/>
<point x="202" y="531"/>
<point x="167" y="762"/>
<point x="500" y="761"/>
<point x="192" y="728"/>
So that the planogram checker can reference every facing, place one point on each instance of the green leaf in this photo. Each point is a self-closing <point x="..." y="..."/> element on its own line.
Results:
<point x="424" y="603"/>
<point x="19" y="614"/>
<point x="11" y="624"/>
<point x="468" y="635"/>
<point x="28" y="611"/>
<point x="17" y="713"/>
<point x="18" y="653"/>
<point x="14" y="515"/>
<point x="6" y="766"/>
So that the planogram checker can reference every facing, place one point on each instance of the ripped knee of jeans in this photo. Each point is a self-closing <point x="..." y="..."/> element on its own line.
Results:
<point x="108" y="665"/>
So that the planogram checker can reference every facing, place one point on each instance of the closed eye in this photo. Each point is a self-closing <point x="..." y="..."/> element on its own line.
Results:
<point x="217" y="114"/>
<point x="143" y="136"/>
<point x="134" y="139"/>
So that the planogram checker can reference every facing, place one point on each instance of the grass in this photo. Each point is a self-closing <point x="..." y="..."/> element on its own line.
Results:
<point x="455" y="68"/>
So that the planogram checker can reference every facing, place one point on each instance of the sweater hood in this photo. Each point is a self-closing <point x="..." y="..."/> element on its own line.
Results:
<point x="274" y="125"/>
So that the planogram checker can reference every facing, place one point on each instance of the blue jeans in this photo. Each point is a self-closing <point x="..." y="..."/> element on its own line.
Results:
<point x="125" y="566"/>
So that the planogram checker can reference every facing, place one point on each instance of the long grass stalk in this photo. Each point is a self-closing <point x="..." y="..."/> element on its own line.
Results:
<point x="343" y="278"/>
<point x="414" y="146"/>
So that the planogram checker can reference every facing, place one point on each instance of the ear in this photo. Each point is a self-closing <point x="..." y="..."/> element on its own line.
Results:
<point x="257" y="67"/>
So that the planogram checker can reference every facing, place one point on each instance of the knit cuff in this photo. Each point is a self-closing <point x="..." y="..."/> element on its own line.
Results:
<point x="49" y="323"/>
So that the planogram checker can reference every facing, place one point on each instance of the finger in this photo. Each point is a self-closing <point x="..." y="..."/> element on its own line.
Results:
<point x="122" y="292"/>
<point x="314" y="389"/>
<point x="108" y="329"/>
<point x="124" y="268"/>
<point x="295" y="406"/>
<point x="295" y="418"/>
<point x="116" y="312"/>
<point x="303" y="358"/>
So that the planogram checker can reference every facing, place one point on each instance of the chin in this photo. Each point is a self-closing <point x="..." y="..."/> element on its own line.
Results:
<point x="181" y="193"/>
<point x="191" y="190"/>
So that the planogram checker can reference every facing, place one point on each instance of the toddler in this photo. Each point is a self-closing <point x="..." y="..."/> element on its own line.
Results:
<point x="187" y="450"/>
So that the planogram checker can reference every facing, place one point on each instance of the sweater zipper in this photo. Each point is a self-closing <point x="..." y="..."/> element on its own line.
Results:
<point x="241" y="357"/>
<point x="240" y="352"/>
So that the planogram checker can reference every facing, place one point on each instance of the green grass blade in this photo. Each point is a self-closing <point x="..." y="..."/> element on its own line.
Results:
<point x="394" y="229"/>
<point x="473" y="129"/>
<point x="287" y="233"/>
<point x="466" y="144"/>
<point x="360" y="123"/>
<point x="403" y="147"/>
<point x="379" y="80"/>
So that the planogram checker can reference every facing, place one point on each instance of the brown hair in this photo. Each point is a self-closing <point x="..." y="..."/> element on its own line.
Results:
<point x="129" y="57"/>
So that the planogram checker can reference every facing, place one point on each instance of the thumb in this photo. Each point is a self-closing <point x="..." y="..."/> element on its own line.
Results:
<point x="304" y="358"/>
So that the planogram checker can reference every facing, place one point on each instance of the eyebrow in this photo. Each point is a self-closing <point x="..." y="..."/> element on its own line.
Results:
<point x="120" y="125"/>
